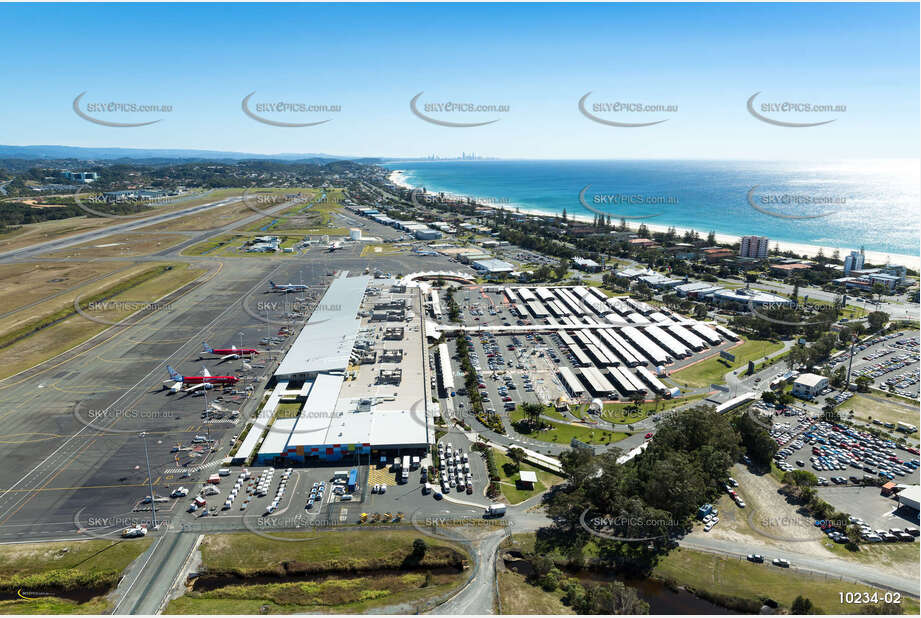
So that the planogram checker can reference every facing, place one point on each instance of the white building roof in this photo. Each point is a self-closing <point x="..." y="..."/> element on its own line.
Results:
<point x="325" y="342"/>
<point x="318" y="411"/>
<point x="393" y="427"/>
<point x="810" y="379"/>
<point x="349" y="428"/>
<point x="528" y="476"/>
<point x="493" y="265"/>
<point x="277" y="438"/>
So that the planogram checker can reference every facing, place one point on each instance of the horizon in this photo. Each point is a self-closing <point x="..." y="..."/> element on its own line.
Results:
<point x="421" y="159"/>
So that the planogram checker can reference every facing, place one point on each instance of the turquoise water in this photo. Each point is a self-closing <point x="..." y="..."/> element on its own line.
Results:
<point x="874" y="204"/>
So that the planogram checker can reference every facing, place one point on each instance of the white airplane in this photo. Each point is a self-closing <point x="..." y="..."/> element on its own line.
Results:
<point x="334" y="246"/>
<point x="288" y="287"/>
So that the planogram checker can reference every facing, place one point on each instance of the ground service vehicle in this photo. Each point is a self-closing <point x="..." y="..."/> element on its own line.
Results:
<point x="495" y="510"/>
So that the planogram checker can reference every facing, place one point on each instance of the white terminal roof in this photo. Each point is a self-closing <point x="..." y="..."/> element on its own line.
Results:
<point x="318" y="411"/>
<point x="325" y="342"/>
<point x="277" y="438"/>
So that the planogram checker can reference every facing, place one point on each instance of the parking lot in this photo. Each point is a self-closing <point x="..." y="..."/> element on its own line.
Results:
<point x="843" y="459"/>
<point x="891" y="361"/>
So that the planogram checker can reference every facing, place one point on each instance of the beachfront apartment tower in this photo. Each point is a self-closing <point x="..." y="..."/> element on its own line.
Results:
<point x="753" y="247"/>
<point x="854" y="261"/>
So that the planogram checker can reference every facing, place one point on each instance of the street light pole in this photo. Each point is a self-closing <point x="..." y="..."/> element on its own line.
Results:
<point x="153" y="500"/>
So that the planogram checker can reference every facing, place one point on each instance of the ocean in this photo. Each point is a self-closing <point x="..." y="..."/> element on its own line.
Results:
<point x="844" y="205"/>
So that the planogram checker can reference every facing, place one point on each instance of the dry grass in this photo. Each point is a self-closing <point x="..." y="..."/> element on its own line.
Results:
<point x="75" y="329"/>
<point x="23" y="284"/>
<point x="120" y="245"/>
<point x="517" y="596"/>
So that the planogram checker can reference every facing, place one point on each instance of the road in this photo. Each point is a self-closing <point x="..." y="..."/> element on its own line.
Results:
<point x="849" y="570"/>
<point x="149" y="585"/>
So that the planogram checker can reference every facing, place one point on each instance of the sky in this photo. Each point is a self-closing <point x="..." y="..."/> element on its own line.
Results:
<point x="701" y="61"/>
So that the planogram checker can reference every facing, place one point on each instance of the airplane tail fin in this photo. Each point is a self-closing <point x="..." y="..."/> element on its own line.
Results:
<point x="206" y="348"/>
<point x="174" y="374"/>
<point x="205" y="372"/>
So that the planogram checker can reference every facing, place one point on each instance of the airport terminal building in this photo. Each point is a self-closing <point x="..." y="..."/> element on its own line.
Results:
<point x="361" y="393"/>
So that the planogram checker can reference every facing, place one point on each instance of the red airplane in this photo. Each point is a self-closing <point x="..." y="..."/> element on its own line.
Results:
<point x="205" y="380"/>
<point x="231" y="353"/>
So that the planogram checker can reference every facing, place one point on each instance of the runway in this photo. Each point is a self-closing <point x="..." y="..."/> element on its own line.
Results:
<point x="72" y="460"/>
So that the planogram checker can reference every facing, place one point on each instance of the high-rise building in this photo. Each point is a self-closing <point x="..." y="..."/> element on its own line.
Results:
<point x="754" y="247"/>
<point x="854" y="261"/>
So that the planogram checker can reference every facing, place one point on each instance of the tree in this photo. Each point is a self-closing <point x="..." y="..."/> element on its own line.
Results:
<point x="419" y="548"/>
<point x="532" y="412"/>
<point x="614" y="598"/>
<point x="801" y="605"/>
<point x="877" y="320"/>
<point x="517" y="455"/>
<point x="863" y="383"/>
<point x="759" y="445"/>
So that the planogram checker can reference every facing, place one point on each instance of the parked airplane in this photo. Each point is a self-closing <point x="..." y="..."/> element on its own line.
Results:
<point x="231" y="353"/>
<point x="334" y="246"/>
<point x="288" y="287"/>
<point x="194" y="383"/>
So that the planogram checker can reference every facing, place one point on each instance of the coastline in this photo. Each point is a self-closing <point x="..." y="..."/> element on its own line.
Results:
<point x="398" y="178"/>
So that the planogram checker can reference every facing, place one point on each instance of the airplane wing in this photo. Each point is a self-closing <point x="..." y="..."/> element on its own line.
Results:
<point x="194" y="387"/>
<point x="229" y="357"/>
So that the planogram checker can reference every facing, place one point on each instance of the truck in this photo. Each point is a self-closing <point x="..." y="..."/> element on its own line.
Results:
<point x="494" y="510"/>
<point x="405" y="464"/>
<point x="353" y="479"/>
<point x="340" y="475"/>
<point x="906" y="427"/>
<point x="415" y="462"/>
<point x="404" y="475"/>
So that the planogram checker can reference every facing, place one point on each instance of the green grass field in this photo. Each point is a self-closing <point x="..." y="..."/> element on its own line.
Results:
<point x="717" y="575"/>
<point x="563" y="433"/>
<point x="508" y="477"/>
<point x="712" y="370"/>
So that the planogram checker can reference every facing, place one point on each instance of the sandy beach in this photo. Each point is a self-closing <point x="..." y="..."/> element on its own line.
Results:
<point x="398" y="178"/>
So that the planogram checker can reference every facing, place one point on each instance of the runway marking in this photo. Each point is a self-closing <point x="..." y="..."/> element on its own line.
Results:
<point x="20" y="404"/>
<point x="87" y="391"/>
<point x="7" y="514"/>
<point x="104" y="341"/>
<point x="49" y="436"/>
<point x="144" y="484"/>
